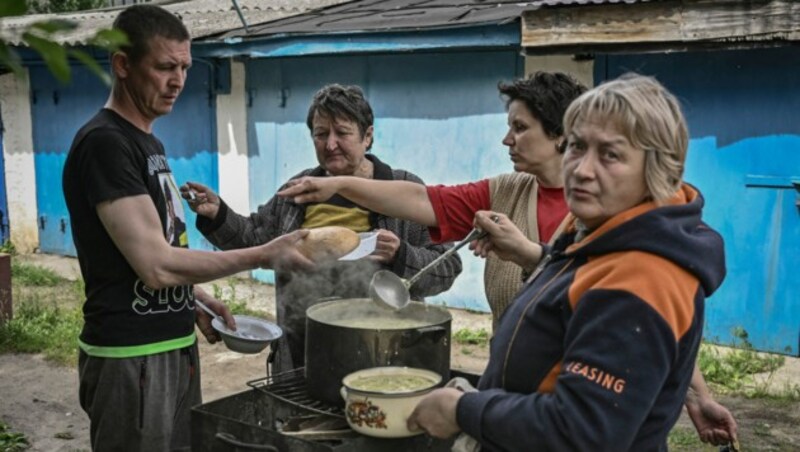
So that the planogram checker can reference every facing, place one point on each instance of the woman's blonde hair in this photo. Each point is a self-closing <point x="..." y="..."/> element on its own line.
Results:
<point x="650" y="118"/>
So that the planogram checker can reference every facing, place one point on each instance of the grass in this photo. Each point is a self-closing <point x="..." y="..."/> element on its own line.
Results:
<point x="733" y="371"/>
<point x="685" y="438"/>
<point x="8" y="248"/>
<point x="47" y="319"/>
<point x="33" y="275"/>
<point x="11" y="441"/>
<point x="467" y="336"/>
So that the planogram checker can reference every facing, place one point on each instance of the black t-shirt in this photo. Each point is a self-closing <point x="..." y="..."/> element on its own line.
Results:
<point x="110" y="159"/>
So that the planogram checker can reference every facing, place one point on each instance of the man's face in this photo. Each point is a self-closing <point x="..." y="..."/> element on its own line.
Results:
<point x="155" y="81"/>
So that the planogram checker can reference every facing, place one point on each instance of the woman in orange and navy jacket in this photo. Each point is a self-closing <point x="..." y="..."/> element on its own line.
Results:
<point x="597" y="351"/>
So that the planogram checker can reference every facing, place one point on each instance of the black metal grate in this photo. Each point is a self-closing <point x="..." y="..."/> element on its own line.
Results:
<point x="291" y="387"/>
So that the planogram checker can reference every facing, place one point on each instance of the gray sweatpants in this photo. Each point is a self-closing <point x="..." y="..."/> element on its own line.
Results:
<point x="142" y="403"/>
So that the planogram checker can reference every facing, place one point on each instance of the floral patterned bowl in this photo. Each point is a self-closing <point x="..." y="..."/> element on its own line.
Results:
<point x="379" y="400"/>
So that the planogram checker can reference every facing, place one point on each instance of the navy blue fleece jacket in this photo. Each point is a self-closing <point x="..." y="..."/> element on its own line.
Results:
<point x="597" y="352"/>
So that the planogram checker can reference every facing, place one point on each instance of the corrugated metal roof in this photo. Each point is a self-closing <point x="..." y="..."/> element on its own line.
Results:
<point x="399" y="15"/>
<point x="202" y="17"/>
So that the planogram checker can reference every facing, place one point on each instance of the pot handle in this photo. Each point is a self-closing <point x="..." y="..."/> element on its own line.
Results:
<point x="411" y="337"/>
<point x="228" y="438"/>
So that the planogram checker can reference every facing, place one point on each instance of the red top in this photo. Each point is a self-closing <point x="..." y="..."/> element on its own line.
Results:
<point x="455" y="207"/>
<point x="551" y="208"/>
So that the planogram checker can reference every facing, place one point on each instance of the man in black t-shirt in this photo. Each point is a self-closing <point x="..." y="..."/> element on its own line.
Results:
<point x="139" y="374"/>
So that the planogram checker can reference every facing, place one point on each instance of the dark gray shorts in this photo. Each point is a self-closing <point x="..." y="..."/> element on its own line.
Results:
<point x="142" y="403"/>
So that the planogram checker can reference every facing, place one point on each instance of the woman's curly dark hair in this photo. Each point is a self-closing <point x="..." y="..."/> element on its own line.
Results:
<point x="547" y="95"/>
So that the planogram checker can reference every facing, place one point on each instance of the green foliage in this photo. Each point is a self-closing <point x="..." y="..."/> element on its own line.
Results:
<point x="8" y="248"/>
<point x="11" y="441"/>
<point x="228" y="296"/>
<point x="63" y="6"/>
<point x="682" y="438"/>
<point x="42" y="38"/>
<point x="44" y="327"/>
<point x="33" y="275"/>
<point x="733" y="371"/>
<point x="472" y="337"/>
<point x="47" y="314"/>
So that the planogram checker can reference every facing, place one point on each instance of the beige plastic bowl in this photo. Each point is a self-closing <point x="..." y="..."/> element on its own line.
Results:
<point x="252" y="334"/>
<point x="384" y="413"/>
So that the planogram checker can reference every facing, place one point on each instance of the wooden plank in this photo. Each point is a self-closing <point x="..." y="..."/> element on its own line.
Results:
<point x="660" y="22"/>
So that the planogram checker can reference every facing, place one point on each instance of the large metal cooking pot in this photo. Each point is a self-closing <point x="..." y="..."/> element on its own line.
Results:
<point x="343" y="336"/>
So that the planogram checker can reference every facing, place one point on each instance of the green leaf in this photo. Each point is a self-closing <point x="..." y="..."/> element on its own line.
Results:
<point x="54" y="25"/>
<point x="95" y="67"/>
<point x="13" y="8"/>
<point x="110" y="39"/>
<point x="10" y="59"/>
<point x="53" y="54"/>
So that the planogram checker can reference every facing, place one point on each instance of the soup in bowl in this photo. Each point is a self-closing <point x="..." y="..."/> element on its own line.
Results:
<point x="379" y="400"/>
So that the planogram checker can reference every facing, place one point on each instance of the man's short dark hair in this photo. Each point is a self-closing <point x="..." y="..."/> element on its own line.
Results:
<point x="144" y="22"/>
<point x="547" y="95"/>
<point x="342" y="102"/>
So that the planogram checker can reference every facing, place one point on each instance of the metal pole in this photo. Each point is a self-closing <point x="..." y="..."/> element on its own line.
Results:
<point x="241" y="16"/>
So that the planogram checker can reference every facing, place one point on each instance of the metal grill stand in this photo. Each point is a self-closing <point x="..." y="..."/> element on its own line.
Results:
<point x="253" y="420"/>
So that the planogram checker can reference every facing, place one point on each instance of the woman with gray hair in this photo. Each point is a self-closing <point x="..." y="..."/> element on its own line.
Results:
<point x="341" y="124"/>
<point x="598" y="349"/>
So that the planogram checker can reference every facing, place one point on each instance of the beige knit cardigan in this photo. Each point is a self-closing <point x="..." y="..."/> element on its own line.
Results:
<point x="516" y="196"/>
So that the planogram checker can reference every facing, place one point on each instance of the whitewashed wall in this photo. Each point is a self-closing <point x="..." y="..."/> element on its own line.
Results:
<point x="19" y="163"/>
<point x="234" y="184"/>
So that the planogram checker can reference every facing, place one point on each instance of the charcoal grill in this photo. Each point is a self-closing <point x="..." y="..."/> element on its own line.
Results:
<point x="252" y="421"/>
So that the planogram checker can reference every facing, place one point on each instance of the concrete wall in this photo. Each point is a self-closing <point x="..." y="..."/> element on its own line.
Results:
<point x="19" y="162"/>
<point x="234" y="185"/>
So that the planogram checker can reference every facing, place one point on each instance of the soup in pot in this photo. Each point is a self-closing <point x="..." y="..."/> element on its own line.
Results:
<point x="391" y="383"/>
<point x="380" y="323"/>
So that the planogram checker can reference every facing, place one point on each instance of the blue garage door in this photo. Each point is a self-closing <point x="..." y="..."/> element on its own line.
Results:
<point x="744" y="156"/>
<point x="188" y="133"/>
<point x="4" y="231"/>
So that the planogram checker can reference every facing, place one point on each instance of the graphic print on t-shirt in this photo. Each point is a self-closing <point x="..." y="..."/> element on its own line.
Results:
<point x="175" y="226"/>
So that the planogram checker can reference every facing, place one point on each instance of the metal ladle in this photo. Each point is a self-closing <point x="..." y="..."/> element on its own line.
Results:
<point x="391" y="291"/>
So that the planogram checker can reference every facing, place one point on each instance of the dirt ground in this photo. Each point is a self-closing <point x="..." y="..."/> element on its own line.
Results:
<point x="39" y="399"/>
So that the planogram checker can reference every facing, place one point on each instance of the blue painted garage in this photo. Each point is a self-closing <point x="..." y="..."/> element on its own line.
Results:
<point x="188" y="134"/>
<point x="744" y="156"/>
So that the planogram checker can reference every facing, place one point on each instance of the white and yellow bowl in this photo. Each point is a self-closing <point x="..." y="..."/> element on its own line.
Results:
<point x="382" y="411"/>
